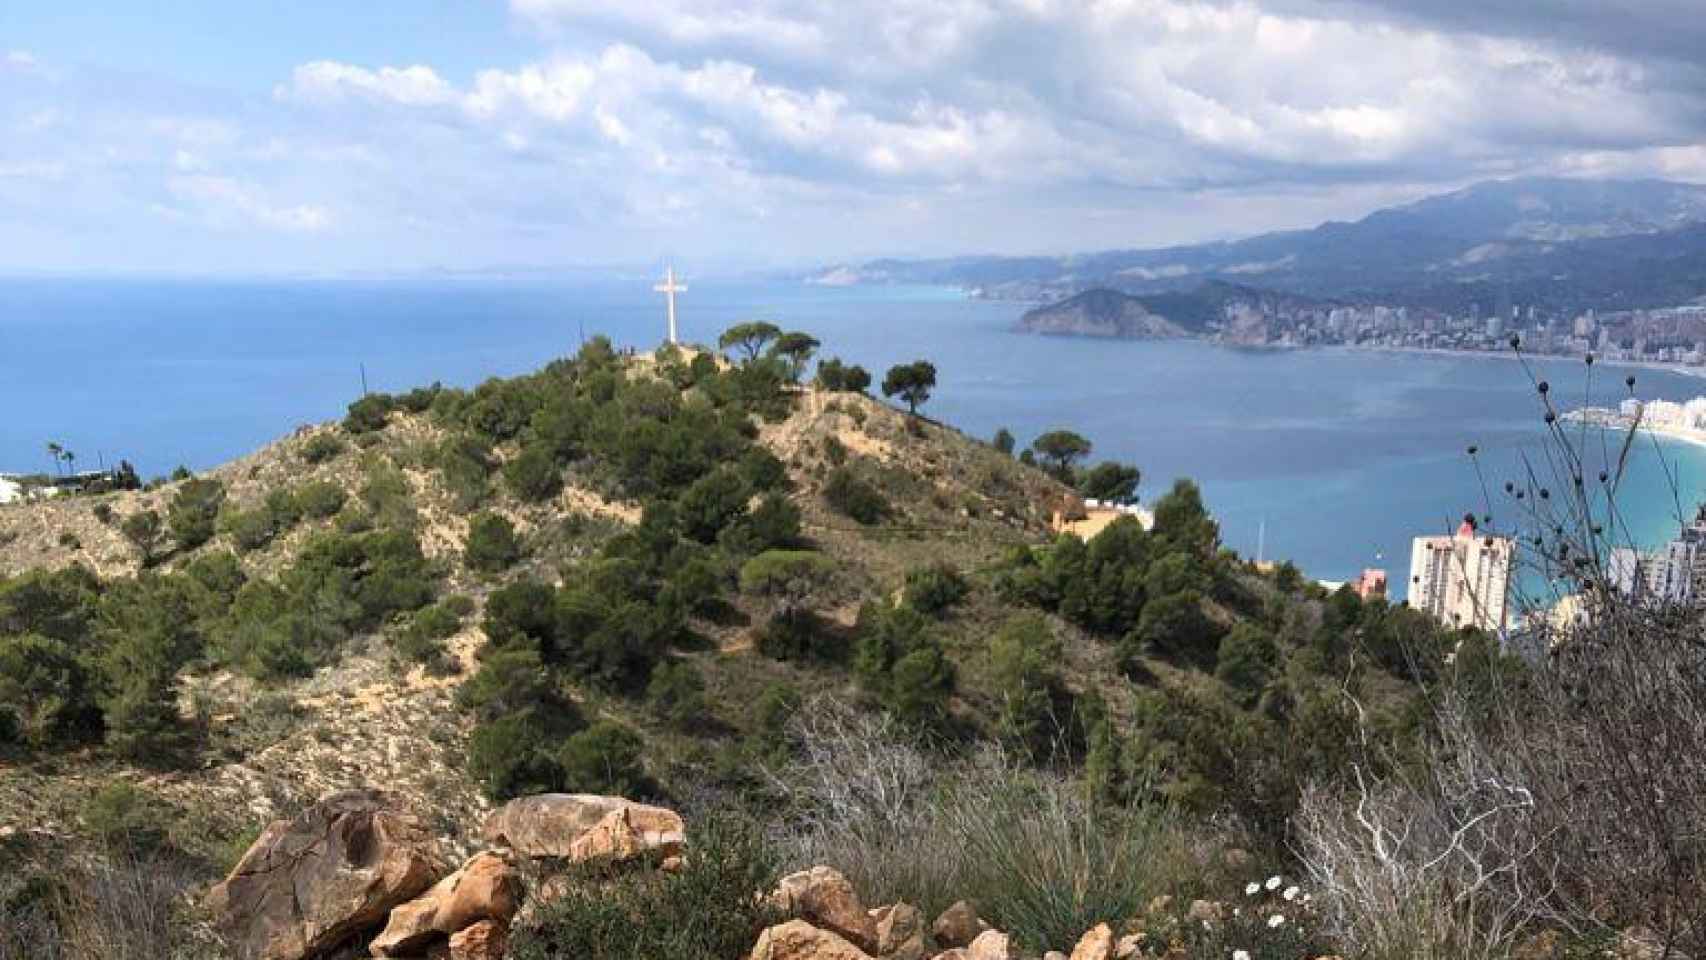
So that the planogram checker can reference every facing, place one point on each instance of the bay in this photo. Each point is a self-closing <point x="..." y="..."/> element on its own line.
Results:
<point x="1333" y="458"/>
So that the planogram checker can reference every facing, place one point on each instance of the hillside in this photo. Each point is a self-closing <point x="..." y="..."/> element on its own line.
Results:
<point x="673" y="577"/>
<point x="1563" y="244"/>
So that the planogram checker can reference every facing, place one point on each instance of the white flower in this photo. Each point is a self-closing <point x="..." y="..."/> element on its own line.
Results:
<point x="1251" y="888"/>
<point x="1240" y="955"/>
<point x="1291" y="892"/>
<point x="1277" y="920"/>
<point x="1274" y="882"/>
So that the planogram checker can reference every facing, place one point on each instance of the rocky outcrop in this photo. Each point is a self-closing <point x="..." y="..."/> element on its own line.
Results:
<point x="823" y="897"/>
<point x="1097" y="944"/>
<point x="486" y="890"/>
<point x="482" y="941"/>
<point x="1100" y="313"/>
<point x="584" y="828"/>
<point x="313" y="882"/>
<point x="958" y="925"/>
<point x="900" y="932"/>
<point x="799" y="940"/>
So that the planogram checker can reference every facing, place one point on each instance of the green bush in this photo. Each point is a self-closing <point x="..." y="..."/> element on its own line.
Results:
<point x="422" y="641"/>
<point x="465" y="463"/>
<point x="705" y="912"/>
<point x="934" y="589"/>
<point x="1024" y="655"/>
<point x="534" y="475"/>
<point x="319" y="499"/>
<point x="511" y="757"/>
<point x="605" y="758"/>
<point x="249" y="529"/>
<point x="322" y="447"/>
<point x="368" y="413"/>
<point x="124" y="817"/>
<point x="783" y="572"/>
<point x="49" y="692"/>
<point x="386" y="493"/>
<point x="492" y="545"/>
<point x="713" y="502"/>
<point x="194" y="511"/>
<point x="1246" y="659"/>
<point x="677" y="694"/>
<point x="852" y="497"/>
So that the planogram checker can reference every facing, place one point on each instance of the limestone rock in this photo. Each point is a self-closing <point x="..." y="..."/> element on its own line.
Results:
<point x="958" y="925"/>
<point x="824" y="897"/>
<point x="1054" y="955"/>
<point x="991" y="945"/>
<point x="310" y="883"/>
<point x="481" y="941"/>
<point x="486" y="888"/>
<point x="799" y="940"/>
<point x="900" y="932"/>
<point x="1128" y="946"/>
<point x="582" y="827"/>
<point x="1096" y="944"/>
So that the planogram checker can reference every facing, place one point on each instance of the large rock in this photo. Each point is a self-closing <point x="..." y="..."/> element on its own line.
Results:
<point x="486" y="888"/>
<point x="310" y="883"/>
<point x="1097" y="944"/>
<point x="900" y="932"/>
<point x="958" y="925"/>
<point x="585" y="828"/>
<point x="799" y="940"/>
<point x="991" y="945"/>
<point x="824" y="897"/>
<point x="481" y="941"/>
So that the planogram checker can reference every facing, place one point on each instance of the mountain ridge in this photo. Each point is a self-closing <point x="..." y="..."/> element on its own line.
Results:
<point x="1567" y="244"/>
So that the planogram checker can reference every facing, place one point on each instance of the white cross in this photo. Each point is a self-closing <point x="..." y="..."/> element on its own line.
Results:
<point x="669" y="288"/>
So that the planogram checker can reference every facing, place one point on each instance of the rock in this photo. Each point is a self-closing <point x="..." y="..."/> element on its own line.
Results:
<point x="1206" y="911"/>
<point x="673" y="864"/>
<point x="309" y="883"/>
<point x="585" y="827"/>
<point x="799" y="940"/>
<point x="486" y="888"/>
<point x="958" y="925"/>
<point x="1097" y="944"/>
<point x="481" y="941"/>
<point x="824" y="897"/>
<point x="1054" y="955"/>
<point x="900" y="932"/>
<point x="1128" y="946"/>
<point x="991" y="945"/>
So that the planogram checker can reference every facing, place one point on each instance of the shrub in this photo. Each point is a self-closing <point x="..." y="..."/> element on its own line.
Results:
<point x="511" y="757"/>
<point x="713" y="502"/>
<point x="249" y="529"/>
<point x="422" y="641"/>
<point x="492" y="545"/>
<point x="319" y="499"/>
<point x="534" y="475"/>
<point x="1246" y="658"/>
<point x="104" y="512"/>
<point x="322" y="447"/>
<point x="779" y="573"/>
<point x="125" y="817"/>
<point x="386" y="493"/>
<point x="194" y="511"/>
<point x="368" y="413"/>
<point x="934" y="589"/>
<point x="705" y="912"/>
<point x="677" y="693"/>
<point x="48" y="691"/>
<point x="853" y="497"/>
<point x="465" y="463"/>
<point x="605" y="758"/>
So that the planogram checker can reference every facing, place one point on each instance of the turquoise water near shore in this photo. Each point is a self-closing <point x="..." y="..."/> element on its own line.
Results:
<point x="1343" y="455"/>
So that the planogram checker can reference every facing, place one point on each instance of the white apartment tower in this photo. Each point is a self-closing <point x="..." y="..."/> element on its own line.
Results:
<point x="1462" y="580"/>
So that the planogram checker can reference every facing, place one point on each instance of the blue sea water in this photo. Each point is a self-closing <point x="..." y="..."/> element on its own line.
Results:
<point x="1341" y="456"/>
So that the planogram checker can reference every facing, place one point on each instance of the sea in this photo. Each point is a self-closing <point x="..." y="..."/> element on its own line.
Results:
<point x="1331" y="458"/>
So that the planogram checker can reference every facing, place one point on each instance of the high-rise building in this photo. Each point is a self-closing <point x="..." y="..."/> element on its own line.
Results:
<point x="1673" y="574"/>
<point x="1462" y="580"/>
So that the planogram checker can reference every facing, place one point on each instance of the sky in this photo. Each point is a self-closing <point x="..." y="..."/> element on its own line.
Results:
<point x="324" y="136"/>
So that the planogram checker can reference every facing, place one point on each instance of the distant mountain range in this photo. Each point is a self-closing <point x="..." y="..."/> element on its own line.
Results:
<point x="1558" y="244"/>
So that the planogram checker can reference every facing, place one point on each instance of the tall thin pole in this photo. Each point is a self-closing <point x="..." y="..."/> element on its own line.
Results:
<point x="1261" y="539"/>
<point x="364" y="379"/>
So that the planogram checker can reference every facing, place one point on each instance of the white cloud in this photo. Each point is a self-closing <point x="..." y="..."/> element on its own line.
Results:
<point x="325" y="80"/>
<point x="227" y="202"/>
<point x="20" y="59"/>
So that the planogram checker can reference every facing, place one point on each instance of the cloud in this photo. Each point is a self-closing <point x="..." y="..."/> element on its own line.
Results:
<point x="888" y="126"/>
<point x="324" y="80"/>
<point x="225" y="202"/>
<point x="19" y="60"/>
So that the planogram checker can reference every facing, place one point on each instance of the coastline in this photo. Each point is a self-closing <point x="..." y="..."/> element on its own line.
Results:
<point x="1603" y="419"/>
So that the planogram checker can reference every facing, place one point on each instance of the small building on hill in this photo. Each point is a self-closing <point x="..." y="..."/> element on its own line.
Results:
<point x="10" y="489"/>
<point x="1086" y="518"/>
